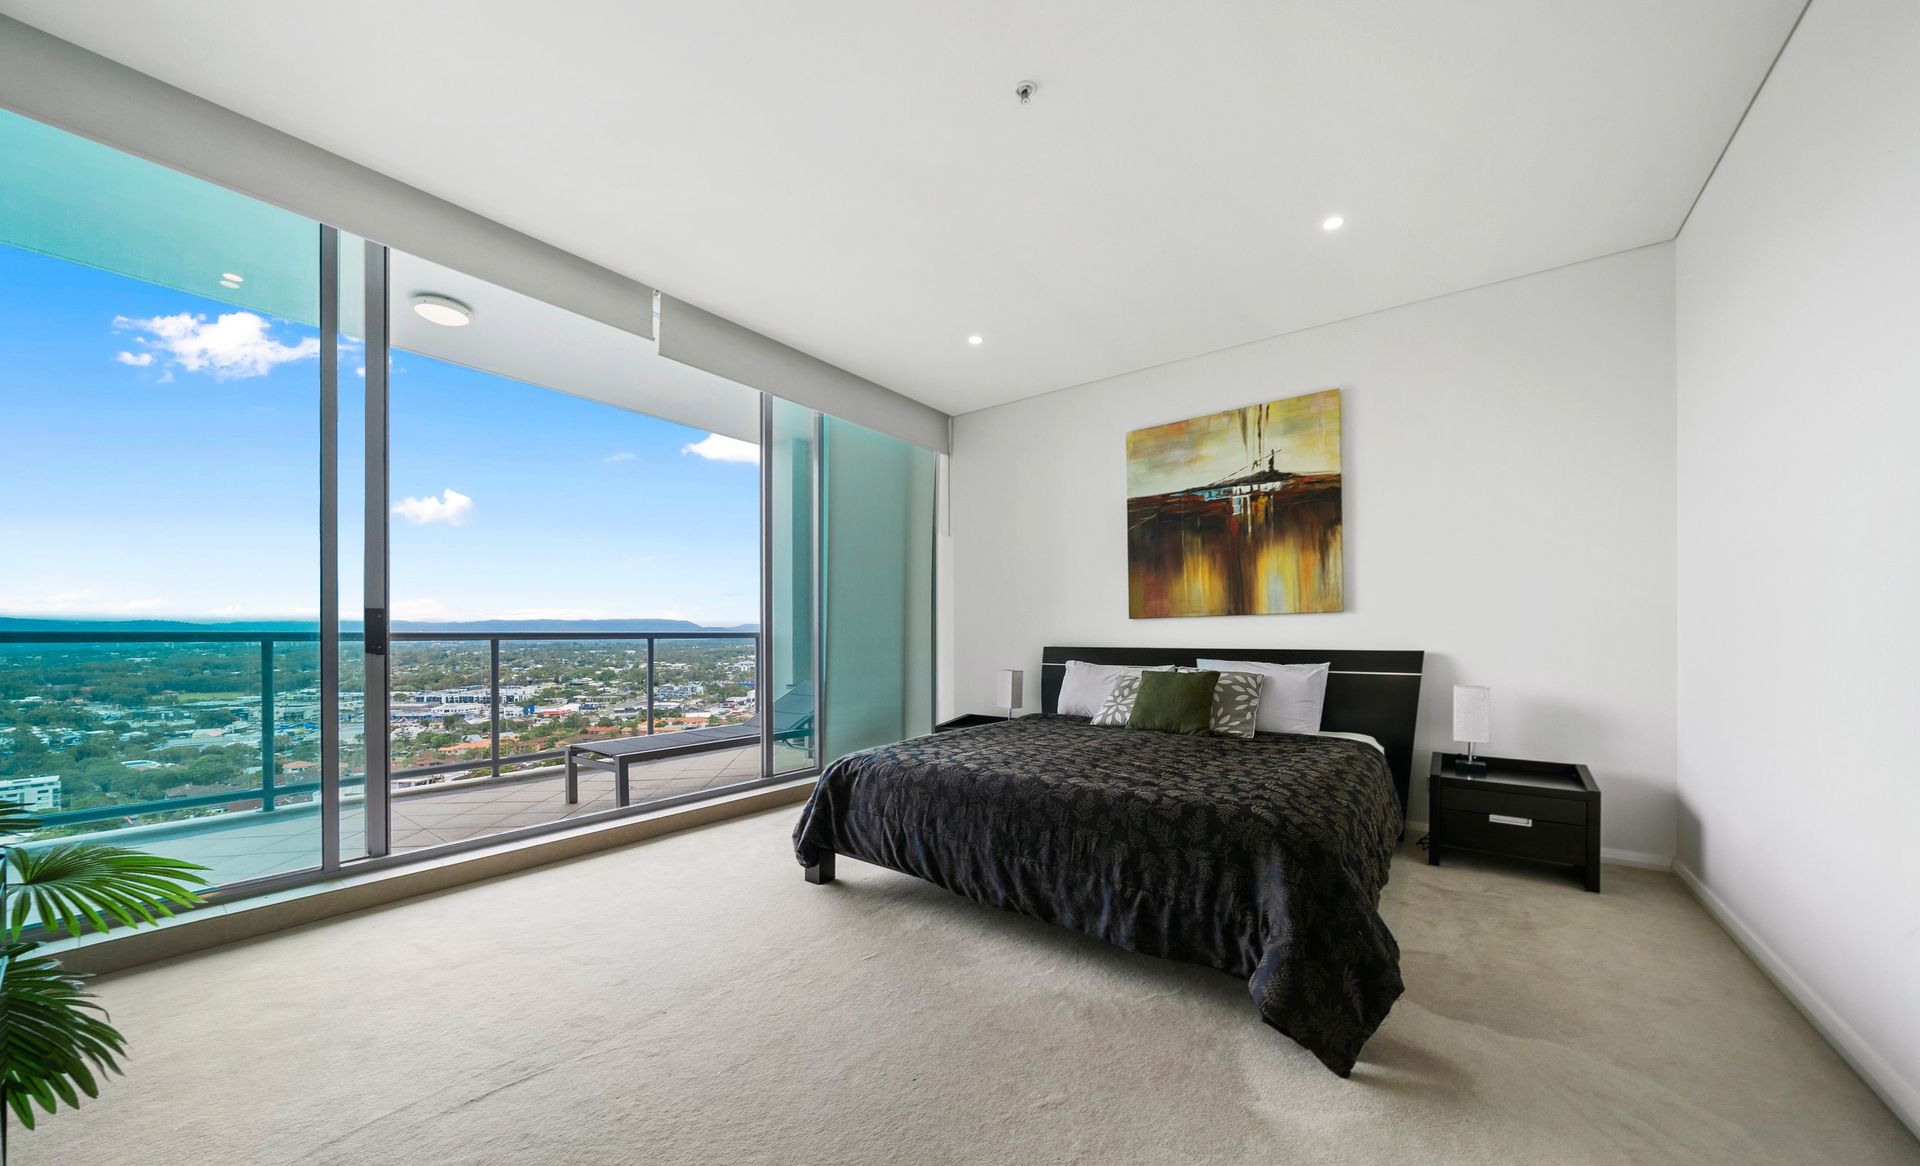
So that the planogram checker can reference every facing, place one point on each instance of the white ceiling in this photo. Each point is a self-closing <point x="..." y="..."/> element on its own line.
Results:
<point x="856" y="178"/>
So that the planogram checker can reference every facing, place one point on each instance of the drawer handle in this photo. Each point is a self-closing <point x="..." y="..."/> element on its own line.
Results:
<point x="1509" y="820"/>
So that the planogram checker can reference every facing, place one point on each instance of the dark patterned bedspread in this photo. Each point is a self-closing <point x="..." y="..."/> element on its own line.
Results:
<point x="1264" y="858"/>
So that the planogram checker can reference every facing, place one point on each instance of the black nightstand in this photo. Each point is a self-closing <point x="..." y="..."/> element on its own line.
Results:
<point x="968" y="721"/>
<point x="1544" y="810"/>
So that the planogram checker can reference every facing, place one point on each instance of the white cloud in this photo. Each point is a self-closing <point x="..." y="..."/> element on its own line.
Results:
<point x="451" y="507"/>
<point x="231" y="347"/>
<point x="622" y="456"/>
<point x="718" y="448"/>
<point x="140" y="361"/>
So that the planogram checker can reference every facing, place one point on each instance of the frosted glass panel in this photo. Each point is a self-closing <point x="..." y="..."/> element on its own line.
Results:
<point x="791" y="675"/>
<point x="65" y="196"/>
<point x="878" y="518"/>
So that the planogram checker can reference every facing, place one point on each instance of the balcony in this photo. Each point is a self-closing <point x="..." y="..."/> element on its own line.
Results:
<point x="477" y="740"/>
<point x="254" y="844"/>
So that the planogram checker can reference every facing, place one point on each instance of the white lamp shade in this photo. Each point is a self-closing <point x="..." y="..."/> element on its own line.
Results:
<point x="1008" y="691"/>
<point x="1472" y="713"/>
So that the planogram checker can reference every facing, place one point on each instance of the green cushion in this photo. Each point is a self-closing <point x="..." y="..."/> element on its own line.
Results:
<point x="1174" y="702"/>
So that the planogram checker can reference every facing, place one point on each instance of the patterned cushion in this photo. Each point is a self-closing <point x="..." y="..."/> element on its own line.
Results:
<point x="1236" y="700"/>
<point x="1119" y="707"/>
<point x="1236" y="704"/>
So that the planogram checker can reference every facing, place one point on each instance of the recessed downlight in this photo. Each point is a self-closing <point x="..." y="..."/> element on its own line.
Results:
<point x="441" y="310"/>
<point x="229" y="283"/>
<point x="976" y="340"/>
<point x="1332" y="223"/>
<point x="225" y="276"/>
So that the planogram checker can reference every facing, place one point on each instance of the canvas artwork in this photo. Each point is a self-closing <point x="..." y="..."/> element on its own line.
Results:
<point x="1237" y="513"/>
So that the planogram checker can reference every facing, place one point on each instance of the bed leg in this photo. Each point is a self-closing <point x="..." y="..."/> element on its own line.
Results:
<point x="821" y="872"/>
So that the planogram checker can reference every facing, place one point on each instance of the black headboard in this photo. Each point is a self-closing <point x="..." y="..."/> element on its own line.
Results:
<point x="1376" y="693"/>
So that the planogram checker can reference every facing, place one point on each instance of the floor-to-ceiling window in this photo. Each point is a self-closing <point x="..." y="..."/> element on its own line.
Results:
<point x="159" y="397"/>
<point x="318" y="552"/>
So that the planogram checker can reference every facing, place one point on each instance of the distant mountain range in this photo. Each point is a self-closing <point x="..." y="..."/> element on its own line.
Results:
<point x="560" y="627"/>
<point x="566" y="625"/>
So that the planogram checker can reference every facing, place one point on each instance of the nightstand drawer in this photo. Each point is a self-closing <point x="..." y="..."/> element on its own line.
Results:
<point x="1542" y="839"/>
<point x="1501" y="801"/>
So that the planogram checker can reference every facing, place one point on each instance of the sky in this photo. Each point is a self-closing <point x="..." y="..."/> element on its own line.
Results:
<point x="159" y="455"/>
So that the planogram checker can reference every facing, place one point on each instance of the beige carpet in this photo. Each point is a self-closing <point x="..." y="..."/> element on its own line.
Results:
<point x="693" y="1000"/>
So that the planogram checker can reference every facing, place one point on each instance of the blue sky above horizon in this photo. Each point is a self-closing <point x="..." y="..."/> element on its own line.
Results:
<point x="161" y="452"/>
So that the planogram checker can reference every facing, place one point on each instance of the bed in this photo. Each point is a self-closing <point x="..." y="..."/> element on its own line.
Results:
<point x="1262" y="857"/>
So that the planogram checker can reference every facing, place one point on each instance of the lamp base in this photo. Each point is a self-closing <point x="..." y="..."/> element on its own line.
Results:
<point x="1466" y="768"/>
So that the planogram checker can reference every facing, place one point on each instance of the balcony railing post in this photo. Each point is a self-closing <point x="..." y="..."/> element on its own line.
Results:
<point x="493" y="696"/>
<point x="650" y="655"/>
<point x="267" y="719"/>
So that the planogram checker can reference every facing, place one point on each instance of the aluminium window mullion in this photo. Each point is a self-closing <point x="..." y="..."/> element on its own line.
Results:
<point x="817" y="468"/>
<point x="329" y="548"/>
<point x="376" y="722"/>
<point x="763" y="679"/>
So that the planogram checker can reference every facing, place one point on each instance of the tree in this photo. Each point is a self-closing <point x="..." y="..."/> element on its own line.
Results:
<point x="55" y="1042"/>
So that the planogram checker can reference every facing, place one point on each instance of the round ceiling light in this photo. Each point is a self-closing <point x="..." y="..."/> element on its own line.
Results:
<point x="441" y="310"/>
<point x="1333" y="223"/>
<point x="976" y="339"/>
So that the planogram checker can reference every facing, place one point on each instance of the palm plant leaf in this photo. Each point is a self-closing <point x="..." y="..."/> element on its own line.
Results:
<point x="77" y="883"/>
<point x="54" y="1039"/>
<point x="14" y="819"/>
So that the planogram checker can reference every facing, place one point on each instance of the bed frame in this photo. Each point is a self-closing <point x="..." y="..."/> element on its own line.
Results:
<point x="1371" y="692"/>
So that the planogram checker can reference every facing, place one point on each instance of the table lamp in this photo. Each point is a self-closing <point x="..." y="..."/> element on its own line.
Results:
<point x="1471" y="716"/>
<point x="1009" y="690"/>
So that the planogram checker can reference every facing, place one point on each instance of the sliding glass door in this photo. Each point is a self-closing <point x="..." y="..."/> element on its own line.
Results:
<point x="574" y="565"/>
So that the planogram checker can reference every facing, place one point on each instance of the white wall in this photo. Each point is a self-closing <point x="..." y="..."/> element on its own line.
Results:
<point x="1798" y="288"/>
<point x="1508" y="485"/>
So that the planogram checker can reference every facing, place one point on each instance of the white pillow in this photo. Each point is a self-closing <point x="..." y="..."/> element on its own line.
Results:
<point x="1087" y="686"/>
<point x="1291" y="695"/>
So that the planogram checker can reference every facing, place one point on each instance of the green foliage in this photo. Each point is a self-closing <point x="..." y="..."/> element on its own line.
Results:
<point x="55" y="1041"/>
<point x="74" y="883"/>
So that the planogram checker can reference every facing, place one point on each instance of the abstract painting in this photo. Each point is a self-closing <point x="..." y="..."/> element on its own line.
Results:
<point x="1237" y="513"/>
